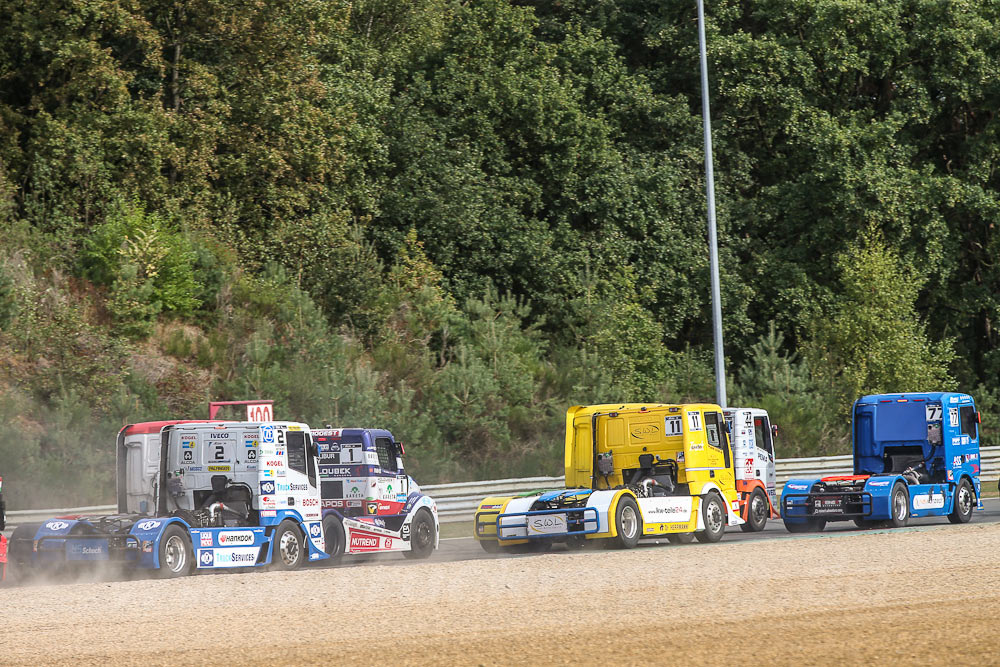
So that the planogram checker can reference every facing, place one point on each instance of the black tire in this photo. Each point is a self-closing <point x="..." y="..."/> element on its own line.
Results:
<point x="422" y="535"/>
<point x="333" y="536"/>
<point x="810" y="525"/>
<point x="758" y="511"/>
<point x="175" y="553"/>
<point x="680" y="538"/>
<point x="713" y="512"/>
<point x="899" y="506"/>
<point x="628" y="523"/>
<point x="489" y="546"/>
<point x="965" y="502"/>
<point x="288" y="547"/>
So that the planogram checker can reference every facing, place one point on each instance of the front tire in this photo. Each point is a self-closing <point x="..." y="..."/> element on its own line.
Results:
<point x="758" y="511"/>
<point x="965" y="502"/>
<point x="714" y="515"/>
<point x="900" y="506"/>
<point x="175" y="553"/>
<point x="287" y="550"/>
<point x="333" y="536"/>
<point x="422" y="535"/>
<point x="628" y="523"/>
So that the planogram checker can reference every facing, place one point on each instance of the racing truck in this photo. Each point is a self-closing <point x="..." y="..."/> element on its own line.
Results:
<point x="195" y="496"/>
<point x="632" y="471"/>
<point x="915" y="455"/>
<point x="752" y="436"/>
<point x="370" y="504"/>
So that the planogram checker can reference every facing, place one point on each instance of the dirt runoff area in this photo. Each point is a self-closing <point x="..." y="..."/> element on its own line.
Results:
<point x="912" y="596"/>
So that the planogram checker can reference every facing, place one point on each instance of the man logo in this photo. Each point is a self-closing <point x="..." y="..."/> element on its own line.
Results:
<point x="147" y="525"/>
<point x="56" y="525"/>
<point x="207" y="557"/>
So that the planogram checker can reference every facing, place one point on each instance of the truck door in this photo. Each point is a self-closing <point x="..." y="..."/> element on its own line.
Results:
<point x="300" y="491"/>
<point x="718" y="439"/>
<point x="764" y="469"/>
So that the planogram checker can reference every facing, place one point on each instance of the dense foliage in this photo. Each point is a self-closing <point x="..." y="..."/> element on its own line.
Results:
<point x="455" y="219"/>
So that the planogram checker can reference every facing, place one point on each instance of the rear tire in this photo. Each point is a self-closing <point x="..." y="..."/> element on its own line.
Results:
<point x="175" y="553"/>
<point x="422" y="535"/>
<point x="965" y="502"/>
<point x="680" y="538"/>
<point x="758" y="511"/>
<point x="714" y="515"/>
<point x="628" y="523"/>
<point x="333" y="536"/>
<point x="899" y="505"/>
<point x="288" y="547"/>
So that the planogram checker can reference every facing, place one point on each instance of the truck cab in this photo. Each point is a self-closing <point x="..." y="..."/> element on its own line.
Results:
<point x="370" y="504"/>
<point x="915" y="454"/>
<point x="753" y="436"/>
<point x="632" y="471"/>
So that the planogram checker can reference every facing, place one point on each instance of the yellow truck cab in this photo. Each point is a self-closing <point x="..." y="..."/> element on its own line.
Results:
<point x="632" y="470"/>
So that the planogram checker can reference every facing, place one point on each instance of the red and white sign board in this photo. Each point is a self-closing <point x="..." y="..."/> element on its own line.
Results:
<point x="260" y="412"/>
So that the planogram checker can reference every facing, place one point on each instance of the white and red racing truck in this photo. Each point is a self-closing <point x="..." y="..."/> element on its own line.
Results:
<point x="752" y="435"/>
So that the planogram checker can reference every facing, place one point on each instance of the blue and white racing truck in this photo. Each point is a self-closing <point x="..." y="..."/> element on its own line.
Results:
<point x="915" y="454"/>
<point x="195" y="495"/>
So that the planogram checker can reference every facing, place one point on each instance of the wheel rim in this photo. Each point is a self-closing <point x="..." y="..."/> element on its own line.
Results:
<point x="422" y="534"/>
<point x="713" y="516"/>
<point x="288" y="548"/>
<point x="758" y="509"/>
<point x="900" y="503"/>
<point x="964" y="500"/>
<point x="174" y="554"/>
<point x="630" y="522"/>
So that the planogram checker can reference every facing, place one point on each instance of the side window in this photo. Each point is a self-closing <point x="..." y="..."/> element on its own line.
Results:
<point x="295" y="443"/>
<point x="386" y="454"/>
<point x="968" y="417"/>
<point x="762" y="434"/>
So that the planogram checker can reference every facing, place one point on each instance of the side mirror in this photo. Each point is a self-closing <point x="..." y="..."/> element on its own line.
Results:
<point x="401" y="450"/>
<point x="314" y="450"/>
<point x="774" y="430"/>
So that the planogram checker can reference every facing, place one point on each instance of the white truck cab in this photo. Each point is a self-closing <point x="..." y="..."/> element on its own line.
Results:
<point x="752" y="435"/>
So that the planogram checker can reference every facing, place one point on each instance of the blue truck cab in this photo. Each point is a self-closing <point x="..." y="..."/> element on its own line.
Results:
<point x="915" y="455"/>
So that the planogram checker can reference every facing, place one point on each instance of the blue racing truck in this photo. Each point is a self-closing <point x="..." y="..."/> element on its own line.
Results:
<point x="194" y="496"/>
<point x="915" y="454"/>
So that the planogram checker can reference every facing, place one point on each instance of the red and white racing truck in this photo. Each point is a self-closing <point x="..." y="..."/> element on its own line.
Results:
<point x="752" y="435"/>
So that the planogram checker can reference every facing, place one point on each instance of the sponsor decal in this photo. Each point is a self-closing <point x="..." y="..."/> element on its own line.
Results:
<point x="748" y="467"/>
<point x="927" y="501"/>
<point x="56" y="525"/>
<point x="268" y="474"/>
<point x="310" y="502"/>
<point x="331" y="504"/>
<point x="491" y="507"/>
<point x="697" y="446"/>
<point x="677" y="526"/>
<point x="335" y="471"/>
<point x="274" y="463"/>
<point x="386" y="507"/>
<point x="87" y="550"/>
<point x="956" y="462"/>
<point x="354" y="503"/>
<point x="694" y="421"/>
<point x="364" y="542"/>
<point x="267" y="434"/>
<point x="229" y="538"/>
<point x="680" y="457"/>
<point x="206" y="539"/>
<point x="972" y="457"/>
<point x="279" y="452"/>
<point x="147" y="525"/>
<point x="643" y="431"/>
<point x="797" y="487"/>
<point x="195" y="469"/>
<point x="206" y="558"/>
<point x="406" y="531"/>
<point x="387" y="543"/>
<point x="316" y="530"/>
<point x="268" y="513"/>
<point x="220" y="468"/>
<point x="235" y="557"/>
<point x="953" y="416"/>
<point x="267" y="488"/>
<point x="879" y="482"/>
<point x="956" y="440"/>
<point x="187" y="456"/>
<point x="187" y="443"/>
<point x="951" y="476"/>
<point x="288" y="488"/>
<point x="249" y="441"/>
<point x="218" y="436"/>
<point x="372" y="508"/>
<point x="965" y="439"/>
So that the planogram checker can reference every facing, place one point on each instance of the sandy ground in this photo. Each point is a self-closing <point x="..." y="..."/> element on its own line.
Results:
<point x="912" y="596"/>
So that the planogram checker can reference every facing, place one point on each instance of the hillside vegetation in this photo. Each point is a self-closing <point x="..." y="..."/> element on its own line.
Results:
<point x="455" y="219"/>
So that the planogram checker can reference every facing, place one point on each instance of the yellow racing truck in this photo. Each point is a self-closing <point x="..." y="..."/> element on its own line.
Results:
<point x="632" y="471"/>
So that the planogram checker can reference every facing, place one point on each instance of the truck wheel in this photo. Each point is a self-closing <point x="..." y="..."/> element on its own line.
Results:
<point x="808" y="526"/>
<point x="628" y="523"/>
<point x="175" y="553"/>
<point x="333" y="536"/>
<point x="287" y="549"/>
<point x="680" y="538"/>
<point x="714" y="513"/>
<point x="490" y="546"/>
<point x="757" y="513"/>
<point x="965" y="502"/>
<point x="421" y="535"/>
<point x="900" y="506"/>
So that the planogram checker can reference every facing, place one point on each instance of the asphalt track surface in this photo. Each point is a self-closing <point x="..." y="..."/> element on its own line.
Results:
<point x="457" y="549"/>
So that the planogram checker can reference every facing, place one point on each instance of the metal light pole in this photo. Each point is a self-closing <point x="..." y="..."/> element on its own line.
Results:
<point x="713" y="252"/>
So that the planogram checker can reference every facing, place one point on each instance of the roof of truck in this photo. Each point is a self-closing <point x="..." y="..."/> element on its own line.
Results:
<point x="156" y="427"/>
